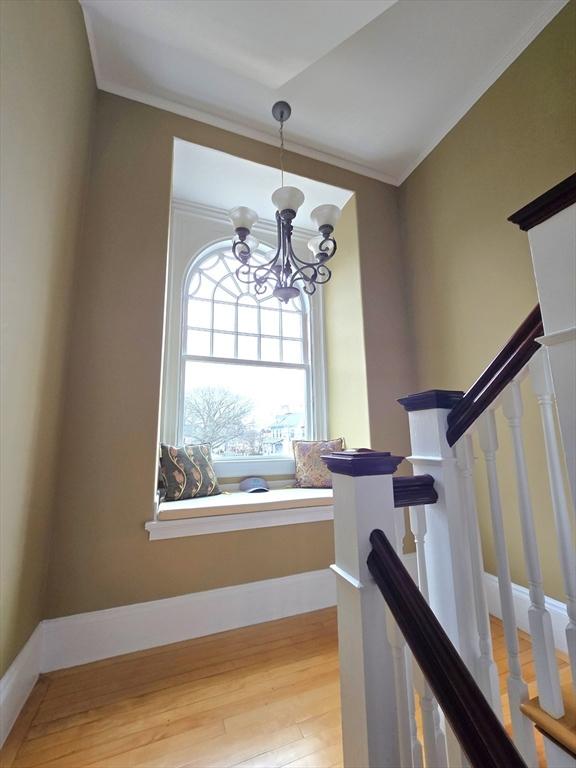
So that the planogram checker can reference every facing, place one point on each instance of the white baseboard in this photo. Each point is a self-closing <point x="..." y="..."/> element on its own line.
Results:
<point x="17" y="683"/>
<point x="88" y="637"/>
<point x="521" y="596"/>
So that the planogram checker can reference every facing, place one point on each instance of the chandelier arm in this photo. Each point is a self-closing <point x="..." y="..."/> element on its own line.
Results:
<point x="278" y="235"/>
<point x="306" y="274"/>
<point x="302" y="263"/>
<point x="327" y="253"/>
<point x="320" y="274"/>
<point x="247" y="278"/>
<point x="328" y="246"/>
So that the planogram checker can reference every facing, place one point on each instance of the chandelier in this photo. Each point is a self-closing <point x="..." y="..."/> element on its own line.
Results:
<point x="285" y="272"/>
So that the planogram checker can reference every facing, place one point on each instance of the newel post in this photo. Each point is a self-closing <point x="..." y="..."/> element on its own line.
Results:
<point x="550" y="221"/>
<point x="363" y="501"/>
<point x="447" y="550"/>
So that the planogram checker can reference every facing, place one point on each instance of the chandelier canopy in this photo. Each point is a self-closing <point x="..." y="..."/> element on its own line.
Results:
<point x="285" y="272"/>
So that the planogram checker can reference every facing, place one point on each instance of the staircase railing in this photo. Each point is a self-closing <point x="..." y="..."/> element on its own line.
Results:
<point x="477" y="728"/>
<point x="507" y="364"/>
<point x="391" y="715"/>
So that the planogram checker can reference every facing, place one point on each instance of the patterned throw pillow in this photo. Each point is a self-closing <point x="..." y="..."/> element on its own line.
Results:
<point x="311" y="472"/>
<point x="188" y="472"/>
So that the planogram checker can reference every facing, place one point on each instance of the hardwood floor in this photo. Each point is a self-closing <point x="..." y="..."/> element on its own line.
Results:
<point x="258" y="697"/>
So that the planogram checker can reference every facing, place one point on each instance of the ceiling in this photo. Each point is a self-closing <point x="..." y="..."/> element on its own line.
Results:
<point x="374" y="84"/>
<point x="223" y="181"/>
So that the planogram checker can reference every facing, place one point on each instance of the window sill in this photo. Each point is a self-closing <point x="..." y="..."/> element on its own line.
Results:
<point x="240" y="512"/>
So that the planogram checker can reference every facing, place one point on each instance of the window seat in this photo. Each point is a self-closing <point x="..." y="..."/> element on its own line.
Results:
<point x="240" y="511"/>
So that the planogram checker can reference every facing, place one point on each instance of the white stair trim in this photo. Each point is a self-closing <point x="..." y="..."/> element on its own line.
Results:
<point x="18" y="681"/>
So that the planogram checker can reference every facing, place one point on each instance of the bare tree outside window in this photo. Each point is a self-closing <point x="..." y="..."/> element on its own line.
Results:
<point x="217" y="416"/>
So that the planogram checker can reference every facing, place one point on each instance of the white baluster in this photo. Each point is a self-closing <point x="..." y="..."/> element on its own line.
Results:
<point x="522" y="727"/>
<point x="434" y="738"/>
<point x="538" y="616"/>
<point x="403" y="694"/>
<point x="410" y="664"/>
<point x="410" y="747"/>
<point x="544" y="390"/>
<point x="456" y="757"/>
<point x="486" y="672"/>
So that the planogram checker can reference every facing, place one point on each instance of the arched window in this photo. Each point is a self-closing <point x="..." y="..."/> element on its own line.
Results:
<point x="245" y="363"/>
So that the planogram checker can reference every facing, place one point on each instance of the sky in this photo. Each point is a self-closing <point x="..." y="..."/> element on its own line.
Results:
<point x="270" y="389"/>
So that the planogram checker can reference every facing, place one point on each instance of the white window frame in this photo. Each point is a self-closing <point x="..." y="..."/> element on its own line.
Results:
<point x="314" y="339"/>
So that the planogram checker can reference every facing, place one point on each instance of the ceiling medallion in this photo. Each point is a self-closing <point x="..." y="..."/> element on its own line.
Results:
<point x="285" y="270"/>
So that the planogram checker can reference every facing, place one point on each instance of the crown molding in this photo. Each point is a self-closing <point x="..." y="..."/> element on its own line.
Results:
<point x="92" y="44"/>
<point x="550" y="10"/>
<point x="241" y="130"/>
<point x="221" y="215"/>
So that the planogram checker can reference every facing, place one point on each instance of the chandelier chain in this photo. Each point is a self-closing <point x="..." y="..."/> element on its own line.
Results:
<point x="282" y="152"/>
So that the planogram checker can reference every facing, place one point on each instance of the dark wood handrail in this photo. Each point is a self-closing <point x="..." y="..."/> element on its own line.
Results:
<point x="480" y="733"/>
<point x="547" y="205"/>
<point x="414" y="490"/>
<point x="506" y="365"/>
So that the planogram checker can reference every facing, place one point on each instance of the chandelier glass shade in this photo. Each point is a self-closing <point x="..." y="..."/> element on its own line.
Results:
<point x="285" y="273"/>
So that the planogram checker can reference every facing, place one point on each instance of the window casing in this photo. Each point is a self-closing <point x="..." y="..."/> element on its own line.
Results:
<point x="227" y="329"/>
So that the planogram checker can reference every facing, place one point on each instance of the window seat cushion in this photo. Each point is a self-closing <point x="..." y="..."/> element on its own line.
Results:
<point x="238" y="502"/>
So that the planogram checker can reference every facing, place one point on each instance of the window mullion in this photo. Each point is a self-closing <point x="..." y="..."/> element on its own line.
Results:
<point x="281" y="334"/>
<point x="236" y="313"/>
<point x="259" y="321"/>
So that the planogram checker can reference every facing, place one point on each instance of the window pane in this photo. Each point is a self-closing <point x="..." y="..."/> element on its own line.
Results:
<point x="224" y="345"/>
<point x="292" y="351"/>
<point x="294" y="305"/>
<point x="225" y="292"/>
<point x="257" y="411"/>
<point x="197" y="343"/>
<point x="224" y="317"/>
<point x="219" y="270"/>
<point x="248" y="347"/>
<point x="247" y="320"/>
<point x="201" y="286"/>
<point x="194" y="283"/>
<point x="270" y="319"/>
<point x="199" y="313"/>
<point x="291" y="325"/>
<point x="270" y="350"/>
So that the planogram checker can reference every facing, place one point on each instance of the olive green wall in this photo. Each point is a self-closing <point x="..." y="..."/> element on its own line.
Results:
<point x="101" y="555"/>
<point x="47" y="100"/>
<point x="344" y="332"/>
<point x="470" y="273"/>
<point x="466" y="281"/>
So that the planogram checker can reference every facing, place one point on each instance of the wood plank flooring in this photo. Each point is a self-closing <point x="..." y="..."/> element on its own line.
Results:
<point x="259" y="697"/>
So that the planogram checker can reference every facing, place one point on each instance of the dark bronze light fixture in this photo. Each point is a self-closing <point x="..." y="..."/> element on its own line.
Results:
<point x="285" y="270"/>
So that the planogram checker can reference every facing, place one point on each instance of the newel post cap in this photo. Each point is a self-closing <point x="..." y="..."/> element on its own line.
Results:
<point x="431" y="399"/>
<point x="362" y="462"/>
